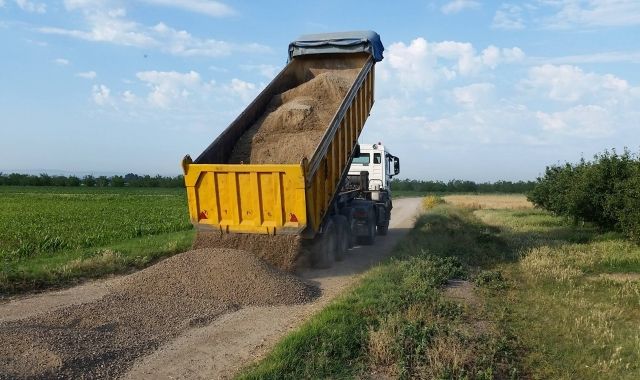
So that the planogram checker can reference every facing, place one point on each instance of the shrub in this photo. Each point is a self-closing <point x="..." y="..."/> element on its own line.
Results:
<point x="605" y="191"/>
<point x="431" y="201"/>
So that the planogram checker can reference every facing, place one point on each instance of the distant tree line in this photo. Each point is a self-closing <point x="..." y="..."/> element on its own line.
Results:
<point x="129" y="180"/>
<point x="460" y="186"/>
<point x="604" y="191"/>
<point x="134" y="180"/>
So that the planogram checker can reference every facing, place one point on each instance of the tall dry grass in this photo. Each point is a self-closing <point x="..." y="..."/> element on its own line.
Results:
<point x="493" y="201"/>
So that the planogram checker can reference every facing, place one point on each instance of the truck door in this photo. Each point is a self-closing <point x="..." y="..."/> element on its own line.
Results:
<point x="376" y="177"/>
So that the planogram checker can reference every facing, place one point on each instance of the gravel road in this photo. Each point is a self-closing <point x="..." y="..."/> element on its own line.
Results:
<point x="245" y="329"/>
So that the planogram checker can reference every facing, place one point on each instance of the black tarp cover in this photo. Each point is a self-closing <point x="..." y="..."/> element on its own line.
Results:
<point x="341" y="42"/>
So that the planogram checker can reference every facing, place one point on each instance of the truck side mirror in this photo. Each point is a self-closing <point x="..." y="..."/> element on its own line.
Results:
<point x="396" y="166"/>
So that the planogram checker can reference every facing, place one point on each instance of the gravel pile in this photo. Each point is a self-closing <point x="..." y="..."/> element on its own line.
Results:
<point x="295" y="121"/>
<point x="281" y="251"/>
<point x="101" y="339"/>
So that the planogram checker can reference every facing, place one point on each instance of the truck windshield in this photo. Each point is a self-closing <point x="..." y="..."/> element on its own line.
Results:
<point x="362" y="159"/>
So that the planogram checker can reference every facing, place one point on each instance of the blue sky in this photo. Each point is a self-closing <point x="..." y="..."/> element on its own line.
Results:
<point x="478" y="90"/>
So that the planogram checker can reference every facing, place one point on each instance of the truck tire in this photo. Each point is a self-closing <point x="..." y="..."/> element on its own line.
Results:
<point x="342" y="232"/>
<point x="323" y="251"/>
<point x="353" y="238"/>
<point x="347" y="212"/>
<point x="370" y="238"/>
<point x="383" y="229"/>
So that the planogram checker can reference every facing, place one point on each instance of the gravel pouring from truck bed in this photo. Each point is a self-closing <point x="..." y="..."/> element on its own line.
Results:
<point x="101" y="339"/>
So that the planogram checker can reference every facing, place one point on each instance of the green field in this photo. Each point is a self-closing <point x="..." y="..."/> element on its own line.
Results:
<point x="52" y="235"/>
<point x="544" y="299"/>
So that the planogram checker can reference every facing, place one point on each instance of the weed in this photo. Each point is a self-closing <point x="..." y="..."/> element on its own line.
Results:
<point x="431" y="201"/>
<point x="491" y="279"/>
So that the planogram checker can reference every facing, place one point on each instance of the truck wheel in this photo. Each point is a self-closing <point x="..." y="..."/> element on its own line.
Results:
<point x="324" y="249"/>
<point x="353" y="238"/>
<point x="342" y="233"/>
<point x="351" y="226"/>
<point x="383" y="229"/>
<point x="370" y="238"/>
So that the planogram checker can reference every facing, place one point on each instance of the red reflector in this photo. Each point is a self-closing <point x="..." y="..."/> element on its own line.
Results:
<point x="360" y="213"/>
<point x="203" y="214"/>
<point x="294" y="218"/>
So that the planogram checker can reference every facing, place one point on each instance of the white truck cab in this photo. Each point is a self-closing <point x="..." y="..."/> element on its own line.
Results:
<point x="379" y="163"/>
<point x="370" y="174"/>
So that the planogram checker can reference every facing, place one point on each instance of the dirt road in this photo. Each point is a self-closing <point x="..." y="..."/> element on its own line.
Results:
<point x="232" y="341"/>
<point x="235" y="339"/>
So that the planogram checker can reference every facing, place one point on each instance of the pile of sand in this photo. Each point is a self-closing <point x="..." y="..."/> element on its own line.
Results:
<point x="295" y="121"/>
<point x="101" y="339"/>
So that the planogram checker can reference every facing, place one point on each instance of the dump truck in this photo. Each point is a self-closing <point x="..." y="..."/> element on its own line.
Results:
<point x="277" y="180"/>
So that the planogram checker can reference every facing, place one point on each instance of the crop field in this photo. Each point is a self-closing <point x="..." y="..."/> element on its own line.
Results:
<point x="48" y="234"/>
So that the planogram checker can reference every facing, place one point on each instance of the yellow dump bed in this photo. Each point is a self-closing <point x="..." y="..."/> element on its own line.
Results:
<point x="281" y="198"/>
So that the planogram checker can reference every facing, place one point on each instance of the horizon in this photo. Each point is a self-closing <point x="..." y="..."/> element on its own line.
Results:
<point x="480" y="91"/>
<point x="81" y="175"/>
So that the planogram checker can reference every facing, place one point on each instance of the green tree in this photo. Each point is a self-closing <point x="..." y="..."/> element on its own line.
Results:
<point x="89" y="181"/>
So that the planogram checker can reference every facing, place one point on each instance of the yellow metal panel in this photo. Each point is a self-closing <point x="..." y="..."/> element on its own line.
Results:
<point x="247" y="198"/>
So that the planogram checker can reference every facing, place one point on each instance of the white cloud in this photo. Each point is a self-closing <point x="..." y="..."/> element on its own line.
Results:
<point x="30" y="6"/>
<point x="180" y="42"/>
<point x="244" y="90"/>
<point x="422" y="63"/>
<point x="553" y="109"/>
<point x="2" y="3"/>
<point x="173" y="93"/>
<point x="456" y="6"/>
<point x="61" y="61"/>
<point x="267" y="71"/>
<point x="101" y="95"/>
<point x="206" y="7"/>
<point x="496" y="123"/>
<point x="593" y="13"/>
<point x="129" y="97"/>
<point x="509" y="17"/>
<point x="109" y="24"/>
<point x="169" y="87"/>
<point x="588" y="121"/>
<point x="83" y="4"/>
<point x="87" y="74"/>
<point x="569" y="83"/>
<point x="412" y="64"/>
<point x="605" y="57"/>
<point x="565" y="14"/>
<point x="36" y="43"/>
<point x="552" y="106"/>
<point x="105" y="25"/>
<point x="473" y="94"/>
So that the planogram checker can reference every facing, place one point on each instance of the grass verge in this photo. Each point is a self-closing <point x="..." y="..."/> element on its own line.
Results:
<point x="576" y="296"/>
<point x="399" y="322"/>
<point x="71" y="266"/>
<point x="491" y="292"/>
